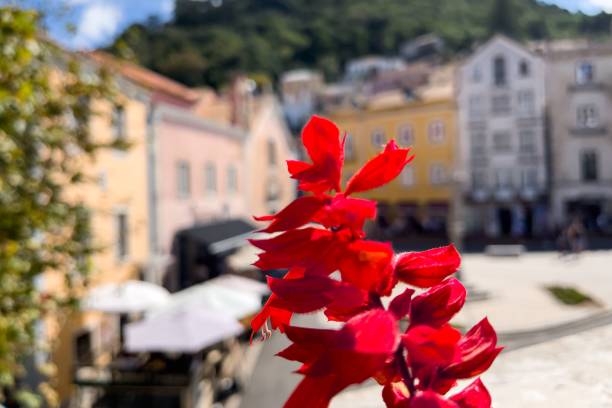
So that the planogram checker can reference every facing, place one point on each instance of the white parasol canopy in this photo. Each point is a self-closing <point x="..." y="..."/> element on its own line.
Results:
<point x="180" y="330"/>
<point x="242" y="284"/>
<point x="230" y="297"/>
<point x="127" y="297"/>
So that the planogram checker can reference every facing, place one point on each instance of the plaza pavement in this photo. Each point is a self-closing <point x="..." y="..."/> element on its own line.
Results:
<point x="517" y="302"/>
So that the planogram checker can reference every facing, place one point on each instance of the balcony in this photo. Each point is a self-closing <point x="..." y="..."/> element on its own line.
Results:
<point x="587" y="87"/>
<point x="589" y="131"/>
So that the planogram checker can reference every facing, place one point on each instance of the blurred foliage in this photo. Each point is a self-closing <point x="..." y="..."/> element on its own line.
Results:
<point x="568" y="295"/>
<point x="45" y="97"/>
<point x="210" y="40"/>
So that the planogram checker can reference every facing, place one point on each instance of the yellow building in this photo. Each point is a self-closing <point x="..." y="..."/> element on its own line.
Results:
<point x="117" y="201"/>
<point x="418" y="200"/>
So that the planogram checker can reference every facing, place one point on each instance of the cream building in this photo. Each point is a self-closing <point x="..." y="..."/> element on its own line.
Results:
<point x="501" y="101"/>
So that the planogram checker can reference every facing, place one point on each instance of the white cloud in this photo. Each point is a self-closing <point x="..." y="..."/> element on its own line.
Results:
<point x="605" y="5"/>
<point x="98" y="23"/>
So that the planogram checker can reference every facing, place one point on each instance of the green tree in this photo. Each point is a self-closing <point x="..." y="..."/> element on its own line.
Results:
<point x="44" y="112"/>
<point x="503" y="18"/>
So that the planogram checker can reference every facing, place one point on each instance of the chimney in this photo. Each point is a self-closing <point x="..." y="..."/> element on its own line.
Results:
<point x="241" y="99"/>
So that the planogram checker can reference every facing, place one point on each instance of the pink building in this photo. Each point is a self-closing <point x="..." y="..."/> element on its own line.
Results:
<point x="198" y="173"/>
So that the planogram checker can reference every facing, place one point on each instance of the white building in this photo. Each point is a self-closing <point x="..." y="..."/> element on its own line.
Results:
<point x="300" y="89"/>
<point x="501" y="102"/>
<point x="579" y="103"/>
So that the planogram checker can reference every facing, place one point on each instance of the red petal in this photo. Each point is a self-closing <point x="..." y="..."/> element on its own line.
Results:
<point x="313" y="392"/>
<point x="297" y="213"/>
<point x="430" y="399"/>
<point x="321" y="138"/>
<point x="396" y="395"/>
<point x="379" y="170"/>
<point x="346" y="212"/>
<point x="474" y="395"/>
<point x="367" y="265"/>
<point x="477" y="351"/>
<point x="431" y="346"/>
<point x="400" y="305"/>
<point x="439" y="304"/>
<point x="427" y="268"/>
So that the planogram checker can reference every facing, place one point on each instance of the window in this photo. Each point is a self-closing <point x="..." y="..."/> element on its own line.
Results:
<point x="588" y="164"/>
<point x="587" y="116"/>
<point x="475" y="107"/>
<point x="529" y="178"/>
<point x="500" y="104"/>
<point x="476" y="75"/>
<point x="479" y="143"/>
<point x="524" y="68"/>
<point x="407" y="176"/>
<point x="436" y="132"/>
<point x="272" y="153"/>
<point x="503" y="178"/>
<point x="183" y="179"/>
<point x="502" y="142"/>
<point x="349" y="148"/>
<point x="479" y="179"/>
<point x="232" y="179"/>
<point x="121" y="225"/>
<point x="103" y="180"/>
<point x="118" y="122"/>
<point x="584" y="73"/>
<point x="499" y="71"/>
<point x="527" y="141"/>
<point x="526" y="105"/>
<point x="437" y="174"/>
<point x="378" y="138"/>
<point x="405" y="135"/>
<point x="210" y="177"/>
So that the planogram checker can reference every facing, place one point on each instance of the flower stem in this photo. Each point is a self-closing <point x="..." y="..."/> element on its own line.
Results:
<point x="404" y="370"/>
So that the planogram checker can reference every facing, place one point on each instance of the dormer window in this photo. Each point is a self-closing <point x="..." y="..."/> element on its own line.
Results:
<point x="584" y="73"/>
<point x="499" y="71"/>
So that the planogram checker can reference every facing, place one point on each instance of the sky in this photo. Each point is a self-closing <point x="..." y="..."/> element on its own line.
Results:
<point x="97" y="22"/>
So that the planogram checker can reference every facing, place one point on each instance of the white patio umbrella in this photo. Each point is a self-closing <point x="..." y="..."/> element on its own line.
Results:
<point x="126" y="297"/>
<point x="180" y="330"/>
<point x="218" y="296"/>
<point x="242" y="284"/>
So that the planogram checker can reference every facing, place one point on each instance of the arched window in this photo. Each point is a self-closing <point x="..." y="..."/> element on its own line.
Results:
<point x="499" y="71"/>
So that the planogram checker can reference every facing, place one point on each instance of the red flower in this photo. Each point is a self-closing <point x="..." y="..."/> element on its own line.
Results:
<point x="474" y="395"/>
<point x="428" y="268"/>
<point x="333" y="360"/>
<point x="439" y="304"/>
<point x="431" y="346"/>
<point x="477" y="351"/>
<point x="347" y="212"/>
<point x="367" y="265"/>
<point x="380" y="170"/>
<point x="321" y="139"/>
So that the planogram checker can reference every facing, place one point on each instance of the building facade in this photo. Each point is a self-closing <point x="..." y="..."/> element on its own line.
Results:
<point x="418" y="201"/>
<point x="501" y="100"/>
<point x="579" y="102"/>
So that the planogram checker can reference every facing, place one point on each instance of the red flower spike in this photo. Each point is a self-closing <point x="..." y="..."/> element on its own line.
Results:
<point x="427" y="268"/>
<point x="415" y="369"/>
<point x="477" y="351"/>
<point x="321" y="138"/>
<point x="380" y="170"/>
<point x="431" y="346"/>
<point x="299" y="212"/>
<point x="439" y="304"/>
<point x="474" y="395"/>
<point x="367" y="265"/>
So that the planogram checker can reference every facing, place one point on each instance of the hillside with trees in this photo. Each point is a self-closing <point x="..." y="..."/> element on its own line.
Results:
<point x="209" y="40"/>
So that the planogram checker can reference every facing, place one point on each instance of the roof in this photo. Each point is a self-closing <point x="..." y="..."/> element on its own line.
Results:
<point x="145" y="77"/>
